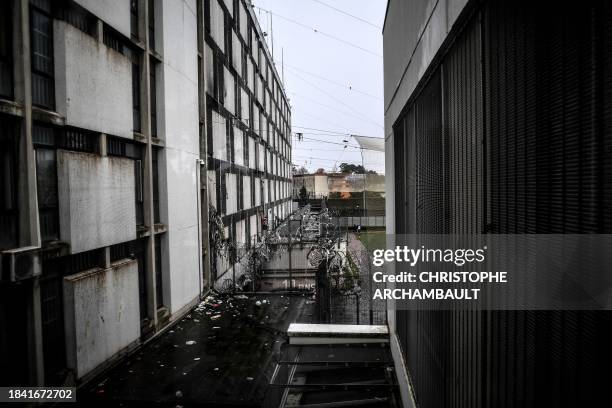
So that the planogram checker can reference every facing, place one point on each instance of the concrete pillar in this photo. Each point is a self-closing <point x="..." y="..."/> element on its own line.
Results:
<point x="103" y="147"/>
<point x="29" y="233"/>
<point x="149" y="215"/>
<point x="203" y="219"/>
<point x="29" y="230"/>
<point x="34" y="336"/>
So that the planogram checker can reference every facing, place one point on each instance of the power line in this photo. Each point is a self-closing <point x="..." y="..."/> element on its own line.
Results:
<point x="348" y="14"/>
<point x="335" y="143"/>
<point x="322" y="130"/>
<point x="332" y="108"/>
<point x="323" y="91"/>
<point x="328" y="142"/>
<point x="333" y="132"/>
<point x="333" y="37"/>
<point x="327" y="160"/>
<point x="345" y="86"/>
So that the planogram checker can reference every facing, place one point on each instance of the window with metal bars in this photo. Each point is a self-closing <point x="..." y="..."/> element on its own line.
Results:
<point x="120" y="147"/>
<point x="158" y="272"/>
<point x="41" y="39"/>
<point x="8" y="185"/>
<point x="153" y="95"/>
<point x="77" y="16"/>
<point x="136" y="118"/>
<point x="67" y="138"/>
<point x="134" y="18"/>
<point x="46" y="181"/>
<point x="151" y="24"/>
<point x="155" y="164"/>
<point x="6" y="51"/>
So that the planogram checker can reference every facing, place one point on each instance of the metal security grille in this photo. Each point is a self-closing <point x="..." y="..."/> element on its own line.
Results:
<point x="41" y="33"/>
<point x="546" y="175"/>
<point x="430" y="161"/>
<point x="463" y="108"/>
<point x="512" y="134"/>
<point x="9" y="209"/>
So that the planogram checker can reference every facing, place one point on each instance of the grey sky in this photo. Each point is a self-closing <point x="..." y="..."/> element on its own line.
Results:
<point x="318" y="71"/>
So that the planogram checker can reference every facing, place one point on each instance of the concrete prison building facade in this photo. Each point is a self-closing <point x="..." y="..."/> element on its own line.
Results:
<point x="498" y="119"/>
<point x="248" y="132"/>
<point x="110" y="116"/>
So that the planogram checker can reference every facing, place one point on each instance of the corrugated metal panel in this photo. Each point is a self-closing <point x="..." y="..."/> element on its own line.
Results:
<point x="430" y="208"/>
<point x="545" y="167"/>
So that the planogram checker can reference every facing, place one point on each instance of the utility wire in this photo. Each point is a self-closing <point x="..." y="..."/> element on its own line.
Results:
<point x="333" y="132"/>
<point x="311" y="100"/>
<point x="334" y="98"/>
<point x="333" y="37"/>
<point x="327" y="160"/>
<point x="345" y="86"/>
<point x="326" y="141"/>
<point x="348" y="14"/>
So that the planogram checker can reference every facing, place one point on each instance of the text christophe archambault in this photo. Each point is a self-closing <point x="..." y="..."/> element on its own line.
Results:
<point x="433" y="285"/>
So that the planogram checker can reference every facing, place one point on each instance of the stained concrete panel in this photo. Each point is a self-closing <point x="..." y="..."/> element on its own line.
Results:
<point x="93" y="83"/>
<point x="102" y="315"/>
<point x="96" y="200"/>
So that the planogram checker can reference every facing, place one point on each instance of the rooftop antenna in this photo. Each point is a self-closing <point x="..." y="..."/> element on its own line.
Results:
<point x="272" y="36"/>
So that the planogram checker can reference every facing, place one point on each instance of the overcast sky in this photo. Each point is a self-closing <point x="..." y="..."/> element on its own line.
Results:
<point x="319" y="69"/>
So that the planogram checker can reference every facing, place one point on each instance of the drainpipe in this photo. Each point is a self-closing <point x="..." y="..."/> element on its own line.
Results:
<point x="199" y="164"/>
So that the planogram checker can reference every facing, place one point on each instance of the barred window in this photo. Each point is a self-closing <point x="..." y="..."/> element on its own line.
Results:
<point x="41" y="32"/>
<point x="6" y="51"/>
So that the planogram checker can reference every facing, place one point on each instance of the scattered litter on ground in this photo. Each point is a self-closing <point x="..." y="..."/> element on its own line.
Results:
<point x="179" y="394"/>
<point x="249" y="378"/>
<point x="258" y="303"/>
<point x="215" y="317"/>
<point x="190" y="342"/>
<point x="196" y="359"/>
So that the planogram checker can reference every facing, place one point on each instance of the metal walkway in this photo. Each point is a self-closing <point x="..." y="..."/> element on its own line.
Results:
<point x="334" y="366"/>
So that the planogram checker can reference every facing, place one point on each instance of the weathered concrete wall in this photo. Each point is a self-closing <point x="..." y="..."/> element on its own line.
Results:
<point x="116" y="13"/>
<point x="102" y="316"/>
<point x="299" y="261"/>
<point x="178" y="124"/>
<point x="413" y="33"/>
<point x="93" y="83"/>
<point x="96" y="200"/>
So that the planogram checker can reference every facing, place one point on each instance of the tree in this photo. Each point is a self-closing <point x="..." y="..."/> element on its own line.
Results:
<point x="352" y="168"/>
<point x="303" y="193"/>
<point x="299" y="170"/>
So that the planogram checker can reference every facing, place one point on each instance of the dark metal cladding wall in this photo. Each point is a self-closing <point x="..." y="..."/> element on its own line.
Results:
<point x="512" y="134"/>
<point x="430" y="163"/>
<point x="546" y="166"/>
<point x="399" y="151"/>
<point x="463" y="135"/>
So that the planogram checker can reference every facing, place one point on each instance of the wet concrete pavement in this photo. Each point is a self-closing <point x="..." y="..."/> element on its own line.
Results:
<point x="223" y="353"/>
